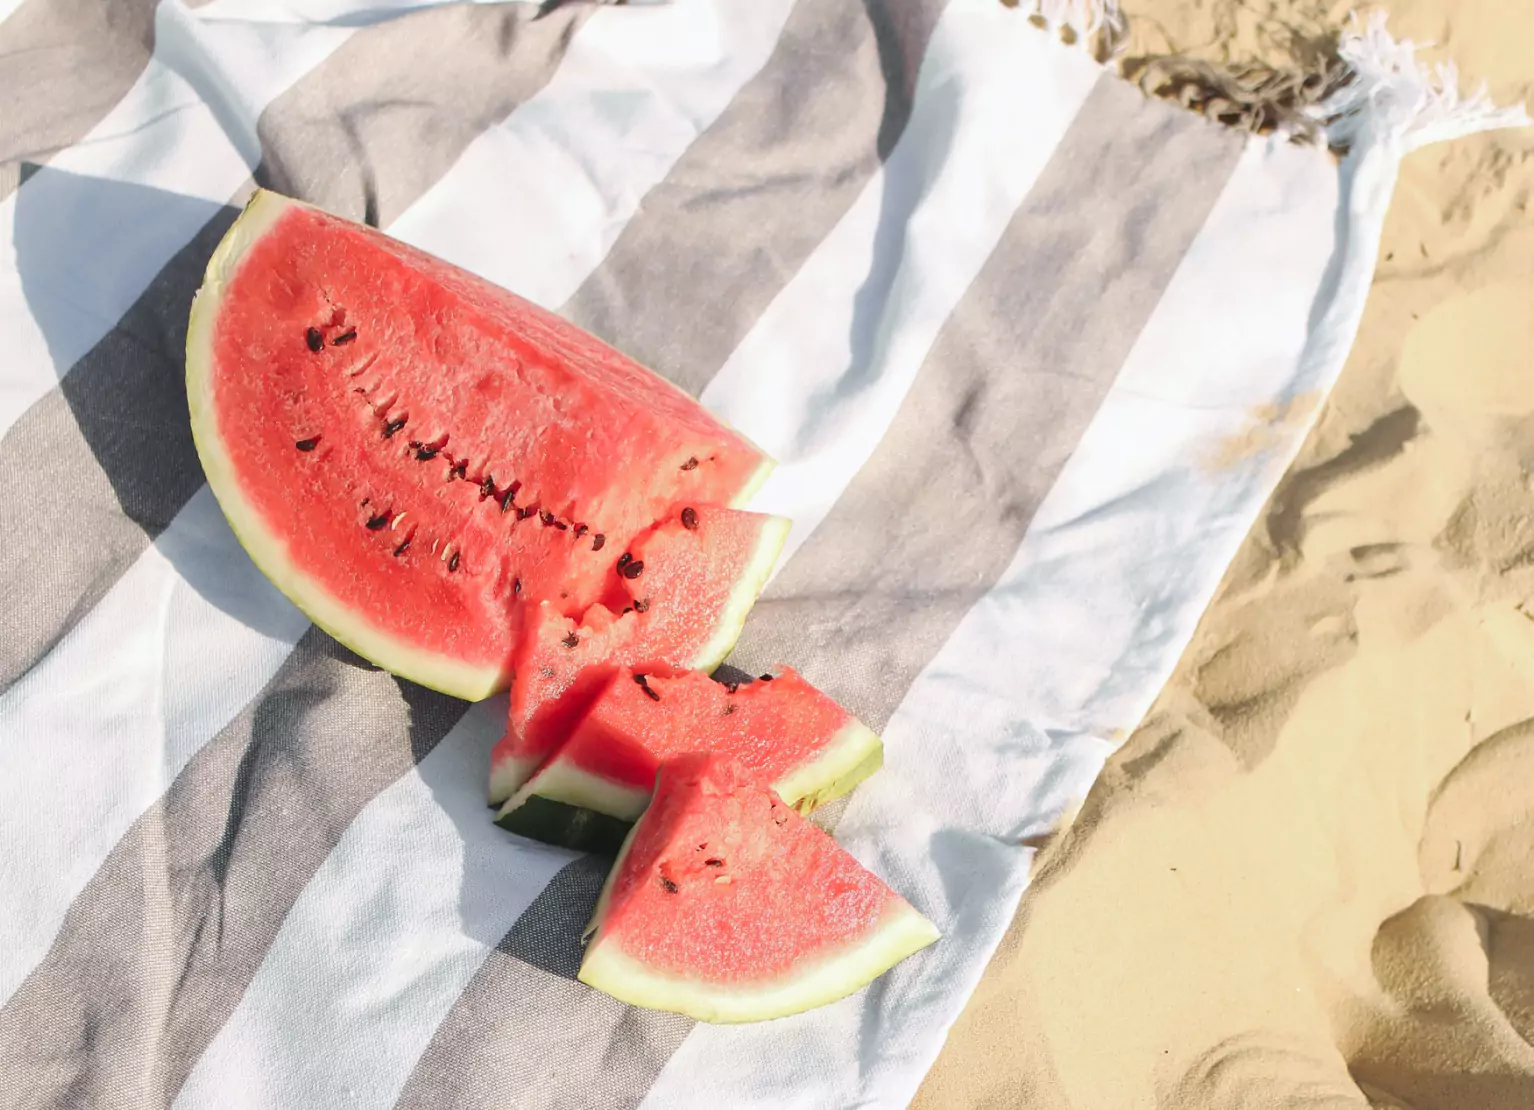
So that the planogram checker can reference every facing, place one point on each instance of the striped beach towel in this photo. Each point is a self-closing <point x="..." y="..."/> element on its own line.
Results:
<point x="1031" y="347"/>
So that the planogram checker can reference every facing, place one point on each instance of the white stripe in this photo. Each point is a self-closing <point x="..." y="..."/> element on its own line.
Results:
<point x="399" y="917"/>
<point x="9" y="6"/>
<point x="83" y="816"/>
<point x="1012" y="720"/>
<point x="819" y="378"/>
<point x="86" y="234"/>
<point x="95" y="732"/>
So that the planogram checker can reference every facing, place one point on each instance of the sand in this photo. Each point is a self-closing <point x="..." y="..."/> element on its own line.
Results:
<point x="1308" y="879"/>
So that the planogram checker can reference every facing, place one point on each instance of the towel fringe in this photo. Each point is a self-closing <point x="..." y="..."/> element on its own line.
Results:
<point x="1079" y="20"/>
<point x="1392" y="98"/>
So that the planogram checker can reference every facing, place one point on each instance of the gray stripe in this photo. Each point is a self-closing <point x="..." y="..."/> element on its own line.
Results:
<point x="740" y="212"/>
<point x="115" y="435"/>
<point x="64" y="64"/>
<point x="933" y="518"/>
<point x="158" y="948"/>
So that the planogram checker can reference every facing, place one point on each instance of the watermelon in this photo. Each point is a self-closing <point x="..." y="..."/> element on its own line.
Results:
<point x="727" y="905"/>
<point x="417" y="457"/>
<point x="684" y="589"/>
<point x="782" y="731"/>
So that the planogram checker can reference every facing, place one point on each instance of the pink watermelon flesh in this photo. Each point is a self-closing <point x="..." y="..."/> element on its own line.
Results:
<point x="727" y="905"/>
<point x="782" y="730"/>
<point x="413" y="453"/>
<point x="698" y="574"/>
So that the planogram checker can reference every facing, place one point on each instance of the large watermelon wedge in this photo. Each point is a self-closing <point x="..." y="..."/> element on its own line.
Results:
<point x="782" y="731"/>
<point x="685" y="588"/>
<point x="413" y="454"/>
<point x="727" y="905"/>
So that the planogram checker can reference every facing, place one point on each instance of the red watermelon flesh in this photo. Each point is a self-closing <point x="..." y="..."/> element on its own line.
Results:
<point x="676" y="601"/>
<point x="784" y="733"/>
<point x="727" y="905"/>
<point x="410" y="452"/>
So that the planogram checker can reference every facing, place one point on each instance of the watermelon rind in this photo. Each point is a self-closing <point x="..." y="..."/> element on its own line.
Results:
<point x="737" y="608"/>
<point x="551" y="806"/>
<point x="552" y="822"/>
<point x="901" y="933"/>
<point x="267" y="550"/>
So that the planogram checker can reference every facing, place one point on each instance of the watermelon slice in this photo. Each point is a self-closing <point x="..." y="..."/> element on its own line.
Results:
<point x="784" y="733"/>
<point x="728" y="906"/>
<point x="680" y="595"/>
<point x="412" y="453"/>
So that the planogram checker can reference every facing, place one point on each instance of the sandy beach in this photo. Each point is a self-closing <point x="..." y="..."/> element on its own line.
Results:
<point x="1308" y="879"/>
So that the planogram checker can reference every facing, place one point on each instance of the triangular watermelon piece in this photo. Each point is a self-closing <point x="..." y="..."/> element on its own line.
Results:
<point x="727" y="905"/>
<point x="413" y="454"/>
<point x="783" y="731"/>
<point x="676" y="600"/>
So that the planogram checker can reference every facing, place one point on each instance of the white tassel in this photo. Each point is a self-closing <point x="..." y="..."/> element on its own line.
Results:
<point x="1083" y="17"/>
<point x="1394" y="99"/>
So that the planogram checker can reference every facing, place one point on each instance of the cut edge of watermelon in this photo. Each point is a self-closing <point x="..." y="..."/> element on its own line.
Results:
<point x="427" y="668"/>
<point x="853" y="754"/>
<point x="744" y="594"/>
<point x="903" y="932"/>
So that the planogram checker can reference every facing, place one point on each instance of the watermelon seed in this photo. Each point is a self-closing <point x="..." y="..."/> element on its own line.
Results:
<point x="632" y="570"/>
<point x="713" y="861"/>
<point x="597" y="541"/>
<point x="645" y="686"/>
<point x="452" y="564"/>
<point x="627" y="609"/>
<point x="581" y="530"/>
<point x="402" y="548"/>
<point x="425" y="453"/>
<point x="571" y="640"/>
<point x="691" y="463"/>
<point x="393" y="426"/>
<point x="516" y="587"/>
<point x="651" y="694"/>
<point x="315" y="340"/>
<point x="689" y="519"/>
<point x="766" y="678"/>
<point x="487" y="488"/>
<point x="561" y="525"/>
<point x="345" y="337"/>
<point x="377" y="522"/>
<point x="641" y="605"/>
<point x="728" y="709"/>
<point x="642" y="679"/>
<point x="547" y="517"/>
<point x="523" y="514"/>
<point x="308" y="444"/>
<point x="668" y="886"/>
<point x="506" y="501"/>
<point x="459" y="470"/>
<point x="624" y="560"/>
<point x="732" y="687"/>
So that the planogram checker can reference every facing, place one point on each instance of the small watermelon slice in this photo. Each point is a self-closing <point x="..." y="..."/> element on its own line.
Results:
<point x="727" y="905"/>
<point x="784" y="733"/>
<point x="677" y="599"/>
<point x="413" y="454"/>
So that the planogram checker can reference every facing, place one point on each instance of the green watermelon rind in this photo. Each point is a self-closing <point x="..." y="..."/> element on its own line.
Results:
<point x="902" y="932"/>
<point x="550" y="805"/>
<point x="434" y="670"/>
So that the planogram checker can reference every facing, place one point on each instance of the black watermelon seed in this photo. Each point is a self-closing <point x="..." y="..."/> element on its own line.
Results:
<point x="651" y="694"/>
<point x="506" y="500"/>
<point x="460" y="470"/>
<point x="632" y="570"/>
<point x="732" y="687"/>
<point x="393" y="426"/>
<point x="308" y="444"/>
<point x="426" y="454"/>
<point x="452" y="564"/>
<point x="315" y="340"/>
<point x="668" y="886"/>
<point x="713" y="861"/>
<point x="689" y="519"/>
<point x="624" y="560"/>
<point x="402" y="548"/>
<point x="581" y="530"/>
<point x="766" y="678"/>
<point x="597" y="541"/>
<point x="561" y="525"/>
<point x="377" y="522"/>
<point x="690" y="464"/>
<point x="523" y="514"/>
<point x="516" y="587"/>
<point x="642" y="679"/>
<point x="627" y="609"/>
<point x="728" y="709"/>
<point x="487" y="488"/>
<point x="547" y="517"/>
<point x="571" y="640"/>
<point x="641" y="605"/>
<point x="345" y="337"/>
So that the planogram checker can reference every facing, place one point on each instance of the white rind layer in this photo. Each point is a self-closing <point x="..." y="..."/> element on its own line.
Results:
<point x="267" y="550"/>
